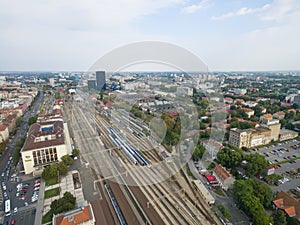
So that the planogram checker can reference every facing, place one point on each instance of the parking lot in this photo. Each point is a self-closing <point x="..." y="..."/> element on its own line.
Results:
<point x="280" y="152"/>
<point x="286" y="158"/>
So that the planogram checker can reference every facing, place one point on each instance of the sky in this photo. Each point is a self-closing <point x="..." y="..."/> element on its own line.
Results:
<point x="70" y="35"/>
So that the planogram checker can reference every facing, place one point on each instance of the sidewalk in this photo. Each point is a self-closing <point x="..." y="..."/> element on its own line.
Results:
<point x="66" y="184"/>
<point x="40" y="204"/>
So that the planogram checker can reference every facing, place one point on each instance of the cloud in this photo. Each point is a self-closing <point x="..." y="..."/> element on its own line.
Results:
<point x="280" y="9"/>
<point x="194" y="8"/>
<point x="69" y="34"/>
<point x="241" y="12"/>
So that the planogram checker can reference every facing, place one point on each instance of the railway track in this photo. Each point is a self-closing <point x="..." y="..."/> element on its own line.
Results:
<point x="176" y="209"/>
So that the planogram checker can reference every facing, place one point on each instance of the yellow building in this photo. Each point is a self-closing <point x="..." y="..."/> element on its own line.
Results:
<point x="249" y="137"/>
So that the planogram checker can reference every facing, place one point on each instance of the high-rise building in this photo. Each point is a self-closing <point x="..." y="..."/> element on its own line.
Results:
<point x="92" y="84"/>
<point x="100" y="80"/>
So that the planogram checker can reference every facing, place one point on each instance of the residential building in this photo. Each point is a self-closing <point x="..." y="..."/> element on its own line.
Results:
<point x="184" y="91"/>
<point x="224" y="177"/>
<point x="285" y="134"/>
<point x="288" y="204"/>
<point x="269" y="122"/>
<point x="83" y="215"/>
<point x="45" y="144"/>
<point x="100" y="80"/>
<point x="4" y="134"/>
<point x="249" y="137"/>
<point x="279" y="115"/>
<point x="249" y="112"/>
<point x="297" y="100"/>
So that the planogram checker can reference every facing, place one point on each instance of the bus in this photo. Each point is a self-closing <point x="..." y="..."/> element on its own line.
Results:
<point x="7" y="208"/>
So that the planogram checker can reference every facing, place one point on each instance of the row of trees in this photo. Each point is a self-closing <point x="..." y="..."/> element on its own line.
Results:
<point x="252" y="196"/>
<point x="232" y="158"/>
<point x="56" y="169"/>
<point x="17" y="151"/>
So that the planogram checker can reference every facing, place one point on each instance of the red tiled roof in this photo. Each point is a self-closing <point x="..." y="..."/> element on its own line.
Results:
<point x="77" y="218"/>
<point x="268" y="116"/>
<point x="2" y="127"/>
<point x="287" y="203"/>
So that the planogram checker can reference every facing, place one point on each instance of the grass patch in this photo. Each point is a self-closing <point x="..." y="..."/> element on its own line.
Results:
<point x="52" y="181"/>
<point x="47" y="218"/>
<point x="219" y="192"/>
<point x="286" y="161"/>
<point x="51" y="193"/>
<point x="224" y="211"/>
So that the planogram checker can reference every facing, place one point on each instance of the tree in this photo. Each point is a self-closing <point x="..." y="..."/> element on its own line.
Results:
<point x="198" y="152"/>
<point x="57" y="95"/>
<point x="256" y="163"/>
<point x="279" y="217"/>
<point x="62" y="168"/>
<point x="19" y="121"/>
<point x="291" y="221"/>
<point x="67" y="160"/>
<point x="46" y="175"/>
<point x="64" y="204"/>
<point x="32" y="120"/>
<point x="75" y="152"/>
<point x="229" y="157"/>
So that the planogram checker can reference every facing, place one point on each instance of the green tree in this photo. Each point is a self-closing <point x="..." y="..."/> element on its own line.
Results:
<point x="279" y="217"/>
<point x="75" y="152"/>
<point x="57" y="95"/>
<point x="198" y="152"/>
<point x="67" y="160"/>
<point x="19" y="121"/>
<point x="62" y="168"/>
<point x="32" y="120"/>
<point x="256" y="163"/>
<point x="230" y="158"/>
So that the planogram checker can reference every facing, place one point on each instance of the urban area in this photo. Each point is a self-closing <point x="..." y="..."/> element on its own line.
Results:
<point x="161" y="148"/>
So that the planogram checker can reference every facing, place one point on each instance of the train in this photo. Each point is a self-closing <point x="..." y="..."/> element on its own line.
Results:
<point x="132" y="154"/>
<point x="115" y="205"/>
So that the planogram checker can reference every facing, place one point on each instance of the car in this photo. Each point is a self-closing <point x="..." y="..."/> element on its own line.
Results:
<point x="13" y="222"/>
<point x="4" y="188"/>
<point x="5" y="194"/>
<point x="15" y="209"/>
<point x="2" y="174"/>
<point x="33" y="211"/>
<point x="17" y="194"/>
<point x="25" y="203"/>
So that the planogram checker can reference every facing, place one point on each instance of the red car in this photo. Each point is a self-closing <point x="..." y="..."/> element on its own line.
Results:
<point x="13" y="222"/>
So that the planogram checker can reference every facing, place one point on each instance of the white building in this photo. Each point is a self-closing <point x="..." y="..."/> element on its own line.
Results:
<point x="46" y="143"/>
<point x="4" y="134"/>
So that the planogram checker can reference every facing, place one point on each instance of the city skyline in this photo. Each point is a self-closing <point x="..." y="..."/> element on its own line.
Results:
<point x="227" y="36"/>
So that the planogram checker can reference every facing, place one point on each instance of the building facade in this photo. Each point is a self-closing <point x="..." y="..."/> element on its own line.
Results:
<point x="4" y="134"/>
<point x="45" y="144"/>
<point x="249" y="137"/>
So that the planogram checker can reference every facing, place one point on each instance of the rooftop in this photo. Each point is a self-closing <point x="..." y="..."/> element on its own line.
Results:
<point x="44" y="134"/>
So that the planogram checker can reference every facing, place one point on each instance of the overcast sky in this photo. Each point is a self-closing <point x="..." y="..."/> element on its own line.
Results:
<point x="226" y="35"/>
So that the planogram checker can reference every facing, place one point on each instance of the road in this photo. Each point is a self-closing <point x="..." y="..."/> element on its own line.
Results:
<point x="11" y="186"/>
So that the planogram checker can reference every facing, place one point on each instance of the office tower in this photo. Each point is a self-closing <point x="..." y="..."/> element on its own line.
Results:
<point x="100" y="79"/>
<point x="92" y="85"/>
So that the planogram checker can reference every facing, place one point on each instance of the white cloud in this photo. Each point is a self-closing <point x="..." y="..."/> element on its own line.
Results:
<point x="194" y="8"/>
<point x="280" y="9"/>
<point x="241" y="12"/>
<point x="69" y="34"/>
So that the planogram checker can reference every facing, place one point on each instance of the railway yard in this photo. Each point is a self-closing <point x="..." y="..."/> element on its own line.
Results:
<point x="130" y="174"/>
